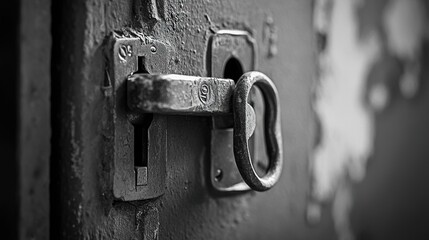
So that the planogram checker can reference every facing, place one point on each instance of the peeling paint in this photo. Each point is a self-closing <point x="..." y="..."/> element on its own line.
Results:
<point x="352" y="67"/>
<point x="404" y="23"/>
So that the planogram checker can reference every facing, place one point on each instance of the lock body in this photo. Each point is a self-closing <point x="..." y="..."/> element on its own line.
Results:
<point x="141" y="97"/>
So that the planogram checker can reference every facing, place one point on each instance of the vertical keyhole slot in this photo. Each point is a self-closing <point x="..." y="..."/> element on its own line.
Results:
<point x="141" y="141"/>
<point x="141" y="66"/>
<point x="141" y="128"/>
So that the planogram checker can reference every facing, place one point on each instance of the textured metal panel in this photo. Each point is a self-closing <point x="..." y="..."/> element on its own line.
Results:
<point x="188" y="209"/>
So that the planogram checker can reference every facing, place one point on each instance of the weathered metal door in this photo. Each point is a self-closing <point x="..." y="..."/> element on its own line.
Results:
<point x="135" y="119"/>
<point x="122" y="168"/>
<point x="104" y="41"/>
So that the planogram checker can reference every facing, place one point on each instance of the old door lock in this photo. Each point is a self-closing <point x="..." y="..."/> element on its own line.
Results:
<point x="135" y="140"/>
<point x="184" y="95"/>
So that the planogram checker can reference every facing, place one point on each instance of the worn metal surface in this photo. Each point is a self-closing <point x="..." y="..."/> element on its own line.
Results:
<point x="180" y="94"/>
<point x="188" y="209"/>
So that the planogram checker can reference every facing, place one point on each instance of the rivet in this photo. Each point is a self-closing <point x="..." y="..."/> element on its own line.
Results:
<point x="153" y="49"/>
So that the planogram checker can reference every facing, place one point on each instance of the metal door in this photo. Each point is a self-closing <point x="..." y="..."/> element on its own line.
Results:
<point x="352" y="99"/>
<point x="189" y="207"/>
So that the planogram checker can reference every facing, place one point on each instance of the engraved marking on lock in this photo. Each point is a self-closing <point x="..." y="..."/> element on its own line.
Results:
<point x="124" y="52"/>
<point x="204" y="93"/>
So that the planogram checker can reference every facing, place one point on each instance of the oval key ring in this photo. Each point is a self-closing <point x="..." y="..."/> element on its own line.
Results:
<point x="242" y="131"/>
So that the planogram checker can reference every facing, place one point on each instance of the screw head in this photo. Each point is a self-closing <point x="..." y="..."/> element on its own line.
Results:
<point x="218" y="175"/>
<point x="153" y="49"/>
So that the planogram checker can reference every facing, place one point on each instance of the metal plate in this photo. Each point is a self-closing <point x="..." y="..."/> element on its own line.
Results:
<point x="224" y="45"/>
<point x="130" y="182"/>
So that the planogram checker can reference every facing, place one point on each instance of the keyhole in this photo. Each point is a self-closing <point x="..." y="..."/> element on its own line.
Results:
<point x="141" y="141"/>
<point x="233" y="69"/>
<point x="141" y="67"/>
<point x="141" y="137"/>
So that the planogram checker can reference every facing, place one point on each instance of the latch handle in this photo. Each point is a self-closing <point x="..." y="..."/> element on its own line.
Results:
<point x="184" y="95"/>
<point x="272" y="127"/>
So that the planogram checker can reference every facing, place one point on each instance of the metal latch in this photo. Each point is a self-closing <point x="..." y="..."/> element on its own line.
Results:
<point x="135" y="141"/>
<point x="208" y="96"/>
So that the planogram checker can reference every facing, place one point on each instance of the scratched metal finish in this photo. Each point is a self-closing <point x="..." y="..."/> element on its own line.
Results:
<point x="189" y="209"/>
<point x="180" y="94"/>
